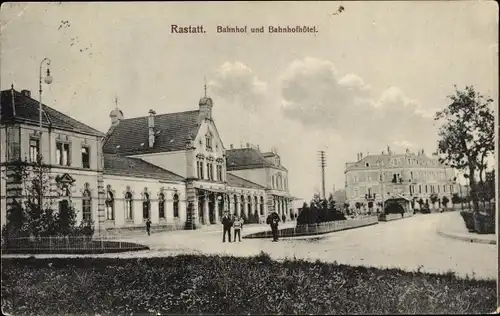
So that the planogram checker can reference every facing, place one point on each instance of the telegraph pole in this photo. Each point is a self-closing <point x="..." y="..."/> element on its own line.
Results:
<point x="322" y="161"/>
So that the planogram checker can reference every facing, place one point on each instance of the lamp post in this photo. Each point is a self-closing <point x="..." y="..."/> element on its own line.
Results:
<point x="48" y="80"/>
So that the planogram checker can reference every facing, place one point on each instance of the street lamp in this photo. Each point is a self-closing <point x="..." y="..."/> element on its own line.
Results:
<point x="48" y="80"/>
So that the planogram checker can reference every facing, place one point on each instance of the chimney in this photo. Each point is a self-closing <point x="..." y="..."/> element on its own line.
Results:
<point x="248" y="145"/>
<point x="231" y="146"/>
<point x="360" y="155"/>
<point x="357" y="156"/>
<point x="26" y="93"/>
<point x="151" y="128"/>
<point x="389" y="150"/>
<point x="12" y="93"/>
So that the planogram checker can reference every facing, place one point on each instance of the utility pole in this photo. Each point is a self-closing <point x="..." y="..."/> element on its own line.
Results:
<point x="322" y="161"/>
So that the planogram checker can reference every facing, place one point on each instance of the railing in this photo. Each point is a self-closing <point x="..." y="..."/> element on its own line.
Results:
<point x="68" y="245"/>
<point x="319" y="228"/>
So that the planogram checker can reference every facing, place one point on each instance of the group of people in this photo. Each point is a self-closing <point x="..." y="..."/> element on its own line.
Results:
<point x="236" y="223"/>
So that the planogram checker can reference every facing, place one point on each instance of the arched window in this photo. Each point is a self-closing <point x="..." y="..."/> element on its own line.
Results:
<point x="176" y="205"/>
<point x="87" y="205"/>
<point x="146" y="204"/>
<point x="110" y="206"/>
<point x="161" y="205"/>
<point x="235" y="201"/>
<point x="242" y="204"/>
<point x="129" y="212"/>
<point x="255" y="203"/>
<point x="262" y="205"/>
<point x="249" y="205"/>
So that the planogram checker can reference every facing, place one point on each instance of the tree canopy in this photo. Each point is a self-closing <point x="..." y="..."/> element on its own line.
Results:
<point x="467" y="134"/>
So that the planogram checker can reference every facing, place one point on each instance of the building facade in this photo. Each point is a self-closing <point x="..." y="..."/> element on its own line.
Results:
<point x="265" y="169"/>
<point x="171" y="168"/>
<point x="413" y="176"/>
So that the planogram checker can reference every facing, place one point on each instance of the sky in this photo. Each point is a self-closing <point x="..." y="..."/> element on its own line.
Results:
<point x="372" y="76"/>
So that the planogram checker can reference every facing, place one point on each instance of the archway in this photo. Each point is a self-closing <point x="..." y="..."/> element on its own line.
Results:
<point x="394" y="208"/>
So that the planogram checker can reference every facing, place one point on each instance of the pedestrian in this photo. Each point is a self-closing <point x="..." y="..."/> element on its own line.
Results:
<point x="148" y="226"/>
<point x="273" y="220"/>
<point x="226" y="225"/>
<point x="238" y="227"/>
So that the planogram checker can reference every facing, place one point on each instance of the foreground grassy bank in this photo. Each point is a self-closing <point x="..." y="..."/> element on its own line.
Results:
<point x="228" y="285"/>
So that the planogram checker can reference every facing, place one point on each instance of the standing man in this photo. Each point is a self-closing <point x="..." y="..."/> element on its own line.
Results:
<point x="273" y="219"/>
<point x="148" y="226"/>
<point x="226" y="224"/>
<point x="238" y="226"/>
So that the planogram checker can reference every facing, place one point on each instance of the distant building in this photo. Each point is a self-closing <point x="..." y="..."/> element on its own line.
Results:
<point x="413" y="176"/>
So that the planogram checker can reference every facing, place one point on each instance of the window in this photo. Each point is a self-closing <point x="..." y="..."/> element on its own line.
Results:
<point x="444" y="188"/>
<point x="219" y="173"/>
<point x="249" y="205"/>
<point x="146" y="204"/>
<point x="128" y="206"/>
<point x="439" y="189"/>
<point x="110" y="206"/>
<point x="62" y="154"/>
<point x="242" y="204"/>
<point x="210" y="169"/>
<point x="426" y="188"/>
<point x="87" y="205"/>
<point x="14" y="143"/>
<point x="199" y="166"/>
<point x="176" y="205"/>
<point x="34" y="149"/>
<point x="85" y="157"/>
<point x="411" y="175"/>
<point x="261" y="205"/>
<point x="161" y="205"/>
<point x="235" y="200"/>
<point x="208" y="141"/>
<point x="419" y="188"/>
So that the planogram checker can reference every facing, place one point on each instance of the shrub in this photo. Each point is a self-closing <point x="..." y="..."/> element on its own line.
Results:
<point x="468" y="220"/>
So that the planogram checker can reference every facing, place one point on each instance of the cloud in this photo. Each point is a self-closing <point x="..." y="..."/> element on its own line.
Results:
<point x="236" y="83"/>
<point x="315" y="94"/>
<point x="403" y="144"/>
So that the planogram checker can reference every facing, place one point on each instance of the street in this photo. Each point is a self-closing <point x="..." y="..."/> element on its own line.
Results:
<point x="408" y="244"/>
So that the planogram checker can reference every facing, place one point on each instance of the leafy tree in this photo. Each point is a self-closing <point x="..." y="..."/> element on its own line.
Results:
<point x="434" y="198"/>
<point x="445" y="200"/>
<point x="35" y="216"/>
<point x="421" y="203"/>
<point x="357" y="205"/>
<point x="467" y="135"/>
<point x="455" y="198"/>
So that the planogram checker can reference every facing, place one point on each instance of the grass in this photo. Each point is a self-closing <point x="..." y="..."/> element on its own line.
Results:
<point x="189" y="284"/>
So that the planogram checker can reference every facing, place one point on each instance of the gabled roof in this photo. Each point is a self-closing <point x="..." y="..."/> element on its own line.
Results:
<point x="127" y="166"/>
<point x="235" y="181"/>
<point x="247" y="158"/>
<point x="27" y="111"/>
<point x="173" y="132"/>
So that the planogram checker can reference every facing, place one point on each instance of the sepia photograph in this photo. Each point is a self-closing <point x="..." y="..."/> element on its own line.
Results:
<point x="249" y="158"/>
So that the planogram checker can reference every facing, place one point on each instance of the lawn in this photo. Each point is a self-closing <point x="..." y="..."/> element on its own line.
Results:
<point x="191" y="284"/>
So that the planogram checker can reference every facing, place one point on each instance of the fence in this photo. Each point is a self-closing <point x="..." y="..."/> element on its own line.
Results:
<point x="320" y="228"/>
<point x="68" y="245"/>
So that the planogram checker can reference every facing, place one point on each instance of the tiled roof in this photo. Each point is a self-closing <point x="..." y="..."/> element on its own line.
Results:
<point x="27" y="111"/>
<point x="385" y="159"/>
<point x="235" y="181"/>
<point x="127" y="166"/>
<point x="173" y="132"/>
<point x="247" y="158"/>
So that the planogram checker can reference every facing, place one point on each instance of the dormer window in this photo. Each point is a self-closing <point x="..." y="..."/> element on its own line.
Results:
<point x="208" y="141"/>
